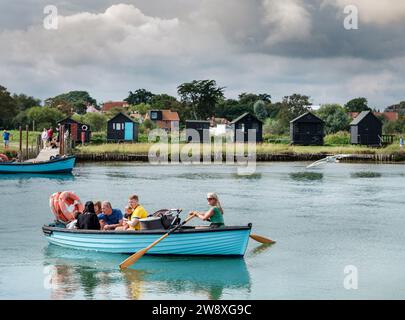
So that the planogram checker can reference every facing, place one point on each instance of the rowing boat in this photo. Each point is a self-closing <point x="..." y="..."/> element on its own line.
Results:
<point x="226" y="241"/>
<point x="58" y="165"/>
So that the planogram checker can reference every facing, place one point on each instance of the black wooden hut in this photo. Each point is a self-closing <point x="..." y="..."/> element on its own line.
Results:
<point x="200" y="126"/>
<point x="75" y="129"/>
<point x="307" y="129"/>
<point x="243" y="124"/>
<point x="122" y="128"/>
<point x="366" y="129"/>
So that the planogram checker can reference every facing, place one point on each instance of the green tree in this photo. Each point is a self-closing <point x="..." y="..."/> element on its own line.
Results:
<point x="251" y="98"/>
<point x="141" y="108"/>
<point x="201" y="97"/>
<point x="335" y="117"/>
<point x="76" y="100"/>
<point x="139" y="96"/>
<point x="164" y="101"/>
<point x="44" y="117"/>
<point x="97" y="121"/>
<point x="231" y="109"/>
<point x="273" y="126"/>
<point x="8" y="108"/>
<point x="24" y="102"/>
<point x="357" y="105"/>
<point x="292" y="107"/>
<point x="260" y="109"/>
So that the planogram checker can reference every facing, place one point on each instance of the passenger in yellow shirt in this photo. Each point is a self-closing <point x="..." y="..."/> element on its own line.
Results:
<point x="138" y="213"/>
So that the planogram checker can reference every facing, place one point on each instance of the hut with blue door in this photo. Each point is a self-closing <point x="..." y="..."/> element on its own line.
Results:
<point x="122" y="128"/>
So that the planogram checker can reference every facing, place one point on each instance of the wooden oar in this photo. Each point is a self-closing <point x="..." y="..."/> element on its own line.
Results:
<point x="137" y="255"/>
<point x="261" y="239"/>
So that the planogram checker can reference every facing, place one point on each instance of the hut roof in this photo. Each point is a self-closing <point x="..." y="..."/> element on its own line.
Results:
<point x="361" y="117"/>
<point x="245" y="115"/>
<point x="305" y="115"/>
<point x="121" y="114"/>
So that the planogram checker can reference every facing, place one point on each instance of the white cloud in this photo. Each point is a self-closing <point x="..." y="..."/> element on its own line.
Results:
<point x="124" y="48"/>
<point x="380" y="12"/>
<point x="286" y="20"/>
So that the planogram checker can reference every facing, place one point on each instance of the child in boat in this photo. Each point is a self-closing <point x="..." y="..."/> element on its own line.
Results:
<point x="127" y="216"/>
<point x="73" y="224"/>
<point x="138" y="212"/>
<point x="214" y="214"/>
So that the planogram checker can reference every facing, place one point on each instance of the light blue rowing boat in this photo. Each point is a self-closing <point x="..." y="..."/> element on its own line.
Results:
<point x="227" y="241"/>
<point x="58" y="165"/>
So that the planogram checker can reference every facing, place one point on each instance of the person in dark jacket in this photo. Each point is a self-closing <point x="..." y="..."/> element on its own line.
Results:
<point x="88" y="220"/>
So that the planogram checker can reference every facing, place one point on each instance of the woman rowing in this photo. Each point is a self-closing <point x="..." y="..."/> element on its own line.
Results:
<point x="214" y="214"/>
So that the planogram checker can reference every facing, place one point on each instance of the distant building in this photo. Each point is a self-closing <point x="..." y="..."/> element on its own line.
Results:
<point x="122" y="128"/>
<point x="107" y="106"/>
<point x="92" y="109"/>
<point x="366" y="129"/>
<point x="243" y="124"/>
<point x="216" y="121"/>
<point x="75" y="130"/>
<point x="200" y="126"/>
<point x="307" y="129"/>
<point x="165" y="119"/>
<point x="387" y="115"/>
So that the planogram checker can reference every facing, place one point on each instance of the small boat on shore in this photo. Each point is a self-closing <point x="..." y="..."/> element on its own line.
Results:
<point x="57" y="165"/>
<point x="204" y="241"/>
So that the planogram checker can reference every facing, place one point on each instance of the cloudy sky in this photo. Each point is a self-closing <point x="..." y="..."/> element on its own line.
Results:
<point x="275" y="46"/>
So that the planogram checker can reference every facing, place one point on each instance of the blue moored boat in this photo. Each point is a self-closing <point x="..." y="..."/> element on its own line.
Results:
<point x="58" y="165"/>
<point x="227" y="241"/>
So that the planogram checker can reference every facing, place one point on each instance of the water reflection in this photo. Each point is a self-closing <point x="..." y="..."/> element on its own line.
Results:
<point x="33" y="176"/>
<point x="366" y="174"/>
<point x="306" y="176"/>
<point x="254" y="176"/>
<point x="79" y="273"/>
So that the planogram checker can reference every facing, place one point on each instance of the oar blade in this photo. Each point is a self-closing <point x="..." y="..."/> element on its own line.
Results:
<point x="261" y="239"/>
<point x="132" y="259"/>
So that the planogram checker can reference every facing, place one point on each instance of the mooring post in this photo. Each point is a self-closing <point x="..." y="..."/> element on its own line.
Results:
<point x="27" y="130"/>
<point x="20" y="146"/>
<point x="62" y="140"/>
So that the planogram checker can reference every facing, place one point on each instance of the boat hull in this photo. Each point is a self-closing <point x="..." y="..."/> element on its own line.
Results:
<point x="229" y="241"/>
<point x="61" y="165"/>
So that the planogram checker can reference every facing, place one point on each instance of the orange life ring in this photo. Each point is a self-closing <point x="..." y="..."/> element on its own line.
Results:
<point x="68" y="204"/>
<point x="54" y="205"/>
<point x="3" y="158"/>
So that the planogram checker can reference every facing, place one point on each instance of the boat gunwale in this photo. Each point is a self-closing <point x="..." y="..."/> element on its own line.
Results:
<point x="36" y="163"/>
<point x="48" y="230"/>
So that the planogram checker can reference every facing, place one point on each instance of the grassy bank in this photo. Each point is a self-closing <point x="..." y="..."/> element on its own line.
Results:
<point x="265" y="148"/>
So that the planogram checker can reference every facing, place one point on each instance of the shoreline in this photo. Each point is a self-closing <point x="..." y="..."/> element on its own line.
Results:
<point x="270" y="157"/>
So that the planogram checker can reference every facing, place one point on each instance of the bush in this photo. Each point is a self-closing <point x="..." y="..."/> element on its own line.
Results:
<point x="339" y="138"/>
<point x="98" y="137"/>
<point x="274" y="138"/>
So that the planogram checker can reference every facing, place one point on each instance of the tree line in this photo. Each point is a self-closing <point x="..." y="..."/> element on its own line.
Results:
<point x="197" y="100"/>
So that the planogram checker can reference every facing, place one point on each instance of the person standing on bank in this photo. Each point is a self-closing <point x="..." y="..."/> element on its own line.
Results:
<point x="401" y="142"/>
<point x="214" y="214"/>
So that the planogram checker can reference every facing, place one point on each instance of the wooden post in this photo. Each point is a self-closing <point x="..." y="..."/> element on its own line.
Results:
<point x="27" y="131"/>
<point x="20" y="146"/>
<point x="62" y="140"/>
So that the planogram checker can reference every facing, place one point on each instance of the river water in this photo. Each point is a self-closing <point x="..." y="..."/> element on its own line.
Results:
<point x="323" y="219"/>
